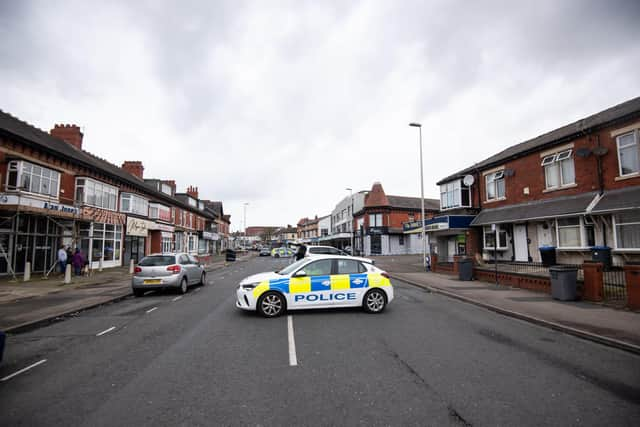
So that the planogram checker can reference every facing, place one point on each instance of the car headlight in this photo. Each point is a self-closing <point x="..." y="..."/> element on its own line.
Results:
<point x="249" y="286"/>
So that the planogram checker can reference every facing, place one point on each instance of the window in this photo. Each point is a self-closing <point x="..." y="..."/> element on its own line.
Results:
<point x="166" y="189"/>
<point x="96" y="193"/>
<point x="192" y="202"/>
<point x="193" y="243"/>
<point x="490" y="238"/>
<point x="558" y="169"/>
<point x="627" y="230"/>
<point x="32" y="178"/>
<point x="569" y="233"/>
<point x="167" y="243"/>
<point x="350" y="267"/>
<point x="319" y="268"/>
<point x="454" y="195"/>
<point x="628" y="158"/>
<point x="161" y="212"/>
<point x="401" y="240"/>
<point x="375" y="220"/>
<point x="495" y="185"/>
<point x="107" y="241"/>
<point x="132" y="203"/>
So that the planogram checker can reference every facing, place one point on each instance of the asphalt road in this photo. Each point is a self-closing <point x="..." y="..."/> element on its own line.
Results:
<point x="197" y="360"/>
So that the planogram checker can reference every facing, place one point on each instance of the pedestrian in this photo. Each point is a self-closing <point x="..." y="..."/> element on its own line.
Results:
<point x="62" y="259"/>
<point x="78" y="262"/>
<point x="301" y="252"/>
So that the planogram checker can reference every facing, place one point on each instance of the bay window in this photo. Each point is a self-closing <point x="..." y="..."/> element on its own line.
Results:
<point x="559" y="170"/>
<point x="32" y="178"/>
<point x="161" y="212"/>
<point x="490" y="238"/>
<point x="575" y="232"/>
<point x="95" y="193"/>
<point x="454" y="194"/>
<point x="495" y="185"/>
<point x="628" y="158"/>
<point x="627" y="230"/>
<point x="132" y="203"/>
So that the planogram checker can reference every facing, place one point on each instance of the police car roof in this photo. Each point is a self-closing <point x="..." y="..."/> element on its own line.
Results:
<point x="325" y="256"/>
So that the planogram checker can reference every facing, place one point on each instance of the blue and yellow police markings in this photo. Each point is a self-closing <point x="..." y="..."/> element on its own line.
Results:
<point x="315" y="288"/>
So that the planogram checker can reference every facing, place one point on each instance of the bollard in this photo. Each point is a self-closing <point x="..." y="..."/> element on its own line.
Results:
<point x="27" y="271"/>
<point x="67" y="274"/>
<point x="100" y="264"/>
<point x="131" y="267"/>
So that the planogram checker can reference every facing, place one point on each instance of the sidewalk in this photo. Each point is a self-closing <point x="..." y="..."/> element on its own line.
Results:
<point x="596" y="322"/>
<point x="27" y="304"/>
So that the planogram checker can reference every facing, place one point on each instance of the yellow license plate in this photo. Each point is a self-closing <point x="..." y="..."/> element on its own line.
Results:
<point x="152" y="282"/>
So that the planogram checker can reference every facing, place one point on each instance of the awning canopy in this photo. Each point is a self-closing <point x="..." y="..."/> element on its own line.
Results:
<point x="618" y="200"/>
<point x="565" y="206"/>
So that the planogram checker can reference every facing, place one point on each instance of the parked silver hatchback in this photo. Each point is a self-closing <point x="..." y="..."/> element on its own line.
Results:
<point x="168" y="270"/>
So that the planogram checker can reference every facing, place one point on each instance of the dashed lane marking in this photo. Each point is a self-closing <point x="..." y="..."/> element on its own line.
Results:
<point x="151" y="309"/>
<point x="177" y="298"/>
<point x="293" y="360"/>
<point x="8" y="377"/>
<point x="106" y="331"/>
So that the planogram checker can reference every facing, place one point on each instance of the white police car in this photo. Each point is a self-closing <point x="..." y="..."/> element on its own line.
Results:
<point x="323" y="281"/>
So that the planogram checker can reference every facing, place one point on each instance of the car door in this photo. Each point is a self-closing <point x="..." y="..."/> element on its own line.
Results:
<point x="196" y="270"/>
<point x="310" y="286"/>
<point x="185" y="264"/>
<point x="349" y="283"/>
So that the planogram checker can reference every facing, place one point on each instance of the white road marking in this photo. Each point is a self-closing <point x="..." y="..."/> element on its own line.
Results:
<point x="197" y="289"/>
<point x="293" y="360"/>
<point x="151" y="309"/>
<point x="106" y="331"/>
<point x="176" y="298"/>
<point x="8" y="377"/>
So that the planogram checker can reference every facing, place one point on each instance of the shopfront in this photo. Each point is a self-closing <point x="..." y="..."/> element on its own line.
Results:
<point x="447" y="234"/>
<point x="135" y="244"/>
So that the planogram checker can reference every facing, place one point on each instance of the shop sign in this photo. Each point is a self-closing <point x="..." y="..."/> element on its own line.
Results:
<point x="206" y="235"/>
<point x="162" y="227"/>
<point x="13" y="199"/>
<point x="138" y="227"/>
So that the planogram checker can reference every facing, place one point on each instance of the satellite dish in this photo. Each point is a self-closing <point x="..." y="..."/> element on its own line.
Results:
<point x="468" y="180"/>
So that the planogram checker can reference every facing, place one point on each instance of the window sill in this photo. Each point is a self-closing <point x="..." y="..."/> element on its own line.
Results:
<point x="39" y="196"/>
<point x="564" y="187"/>
<point x="499" y="199"/>
<point x="626" y="250"/>
<point x="574" y="249"/>
<point x="493" y="249"/>
<point x="628" y="176"/>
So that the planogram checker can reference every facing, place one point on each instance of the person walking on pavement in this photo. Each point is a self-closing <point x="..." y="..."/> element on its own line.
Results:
<point x="78" y="262"/>
<point x="301" y="252"/>
<point x="62" y="259"/>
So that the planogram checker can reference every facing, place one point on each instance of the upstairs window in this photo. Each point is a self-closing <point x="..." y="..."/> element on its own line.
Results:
<point x="454" y="194"/>
<point x="161" y="212"/>
<point x="96" y="193"/>
<point x="628" y="158"/>
<point x="495" y="185"/>
<point x="375" y="220"/>
<point x="132" y="203"/>
<point x="559" y="170"/>
<point x="166" y="189"/>
<point x="32" y="178"/>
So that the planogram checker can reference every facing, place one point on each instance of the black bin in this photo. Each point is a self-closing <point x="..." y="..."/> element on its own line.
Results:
<point x="602" y="254"/>
<point x="548" y="255"/>
<point x="465" y="269"/>
<point x="230" y="255"/>
<point x="564" y="286"/>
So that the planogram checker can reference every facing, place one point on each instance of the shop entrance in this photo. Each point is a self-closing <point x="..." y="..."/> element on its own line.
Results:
<point x="133" y="249"/>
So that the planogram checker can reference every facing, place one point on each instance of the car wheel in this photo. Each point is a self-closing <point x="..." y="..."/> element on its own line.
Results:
<point x="271" y="304"/>
<point x="203" y="279"/>
<point x="183" y="286"/>
<point x="138" y="293"/>
<point x="374" y="301"/>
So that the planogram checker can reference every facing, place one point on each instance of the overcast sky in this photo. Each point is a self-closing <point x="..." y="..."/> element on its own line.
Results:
<point x="283" y="105"/>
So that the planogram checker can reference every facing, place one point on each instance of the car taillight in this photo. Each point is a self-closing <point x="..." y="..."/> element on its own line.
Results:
<point x="137" y="270"/>
<point x="175" y="269"/>
<point x="385" y="275"/>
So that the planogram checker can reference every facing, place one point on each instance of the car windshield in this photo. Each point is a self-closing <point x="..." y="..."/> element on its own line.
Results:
<point x="154" y="261"/>
<point x="292" y="267"/>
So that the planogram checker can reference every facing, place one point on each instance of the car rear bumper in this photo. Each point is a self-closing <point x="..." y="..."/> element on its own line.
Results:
<point x="172" y="281"/>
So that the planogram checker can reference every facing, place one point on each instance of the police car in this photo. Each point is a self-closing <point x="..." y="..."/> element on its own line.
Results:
<point x="323" y="281"/>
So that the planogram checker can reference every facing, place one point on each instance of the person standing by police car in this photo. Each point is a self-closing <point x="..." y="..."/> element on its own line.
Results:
<point x="301" y="252"/>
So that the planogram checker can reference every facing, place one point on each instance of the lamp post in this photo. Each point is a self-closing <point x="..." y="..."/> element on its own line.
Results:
<point x="424" y="241"/>
<point x="351" y="219"/>
<point x="245" y="223"/>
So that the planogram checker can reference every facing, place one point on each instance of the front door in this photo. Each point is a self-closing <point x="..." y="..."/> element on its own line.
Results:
<point x="520" y="244"/>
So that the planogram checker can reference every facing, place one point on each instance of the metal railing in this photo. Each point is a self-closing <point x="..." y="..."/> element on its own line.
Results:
<point x="531" y="268"/>
<point x="614" y="283"/>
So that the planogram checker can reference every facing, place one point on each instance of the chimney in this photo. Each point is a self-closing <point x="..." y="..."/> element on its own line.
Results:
<point x="134" y="168"/>
<point x="192" y="191"/>
<point x="68" y="133"/>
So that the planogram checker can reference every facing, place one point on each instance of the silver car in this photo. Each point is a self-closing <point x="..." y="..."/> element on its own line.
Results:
<point x="168" y="270"/>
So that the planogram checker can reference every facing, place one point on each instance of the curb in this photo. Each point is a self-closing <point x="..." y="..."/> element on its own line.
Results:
<point x="621" y="345"/>
<point x="34" y="324"/>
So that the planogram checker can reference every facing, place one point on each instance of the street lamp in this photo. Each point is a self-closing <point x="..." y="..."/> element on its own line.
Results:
<point x="245" y="222"/>
<point x="424" y="241"/>
<point x="351" y="219"/>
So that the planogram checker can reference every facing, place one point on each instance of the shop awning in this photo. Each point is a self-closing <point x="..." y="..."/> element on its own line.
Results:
<point x="618" y="200"/>
<point x="562" y="206"/>
<point x="439" y="223"/>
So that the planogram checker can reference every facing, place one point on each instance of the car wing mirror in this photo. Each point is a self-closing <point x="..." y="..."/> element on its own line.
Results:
<point x="300" y="273"/>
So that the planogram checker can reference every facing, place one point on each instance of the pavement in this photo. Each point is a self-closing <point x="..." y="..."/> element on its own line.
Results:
<point x="24" y="305"/>
<point x="614" y="327"/>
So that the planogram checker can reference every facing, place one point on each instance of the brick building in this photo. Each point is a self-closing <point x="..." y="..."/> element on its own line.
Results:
<point x="379" y="224"/>
<point x="573" y="188"/>
<point x="55" y="193"/>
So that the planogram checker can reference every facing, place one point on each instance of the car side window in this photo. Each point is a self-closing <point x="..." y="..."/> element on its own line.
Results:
<point x="362" y="268"/>
<point x="347" y="266"/>
<point x="319" y="268"/>
<point x="184" y="260"/>
<point x="333" y="251"/>
<point x="192" y="259"/>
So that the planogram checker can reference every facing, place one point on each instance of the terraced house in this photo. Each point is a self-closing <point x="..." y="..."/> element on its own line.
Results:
<point x="55" y="193"/>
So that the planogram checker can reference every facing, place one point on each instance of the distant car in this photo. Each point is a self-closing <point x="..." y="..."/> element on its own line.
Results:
<point x="168" y="270"/>
<point x="265" y="252"/>
<point x="324" y="281"/>
<point x="282" y="252"/>
<point x="330" y="250"/>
